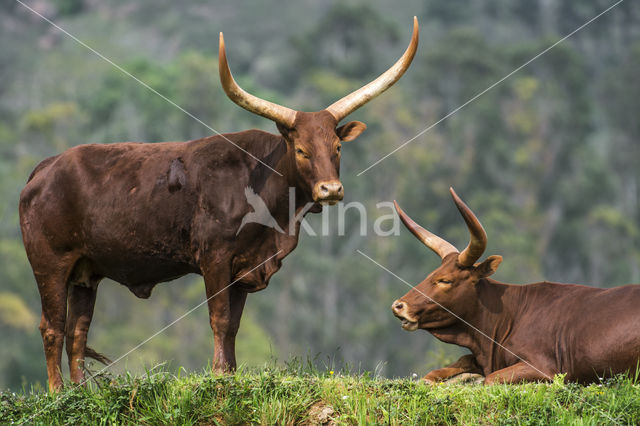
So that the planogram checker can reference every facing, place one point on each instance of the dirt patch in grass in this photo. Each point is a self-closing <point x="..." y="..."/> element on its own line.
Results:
<point x="320" y="414"/>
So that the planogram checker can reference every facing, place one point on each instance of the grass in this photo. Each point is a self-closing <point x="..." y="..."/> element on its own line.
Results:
<point x="295" y="394"/>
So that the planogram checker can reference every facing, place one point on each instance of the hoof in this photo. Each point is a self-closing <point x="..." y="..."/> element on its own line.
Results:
<point x="429" y="381"/>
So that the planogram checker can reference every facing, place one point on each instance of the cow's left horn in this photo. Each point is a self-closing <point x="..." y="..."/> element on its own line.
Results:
<point x="478" y="241"/>
<point x="275" y="112"/>
<point x="355" y="100"/>
<point x="440" y="246"/>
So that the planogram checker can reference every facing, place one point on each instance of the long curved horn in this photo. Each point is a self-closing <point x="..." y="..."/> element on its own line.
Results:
<point x="355" y="100"/>
<point x="441" y="247"/>
<point x="478" y="241"/>
<point x="275" y="112"/>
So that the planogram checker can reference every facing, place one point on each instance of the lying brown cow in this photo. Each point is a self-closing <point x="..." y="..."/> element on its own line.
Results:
<point x="518" y="333"/>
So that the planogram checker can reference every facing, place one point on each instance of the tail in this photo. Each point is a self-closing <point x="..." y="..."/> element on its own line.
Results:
<point x="88" y="352"/>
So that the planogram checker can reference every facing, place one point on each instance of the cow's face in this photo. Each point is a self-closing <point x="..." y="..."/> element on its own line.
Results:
<point x="447" y="293"/>
<point x="315" y="144"/>
<point x="314" y="138"/>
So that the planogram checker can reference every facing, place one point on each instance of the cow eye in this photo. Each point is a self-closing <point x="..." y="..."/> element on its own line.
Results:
<point x="302" y="153"/>
<point x="338" y="148"/>
<point x="443" y="281"/>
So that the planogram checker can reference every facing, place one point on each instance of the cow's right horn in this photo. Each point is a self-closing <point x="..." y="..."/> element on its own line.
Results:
<point x="440" y="246"/>
<point x="355" y="100"/>
<point x="478" y="241"/>
<point x="275" y="112"/>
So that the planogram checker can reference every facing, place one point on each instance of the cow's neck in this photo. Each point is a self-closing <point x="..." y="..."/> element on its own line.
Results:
<point x="488" y="324"/>
<point x="267" y="241"/>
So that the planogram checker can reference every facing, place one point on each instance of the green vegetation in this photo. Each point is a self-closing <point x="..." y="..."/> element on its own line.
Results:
<point x="295" y="395"/>
<point x="548" y="159"/>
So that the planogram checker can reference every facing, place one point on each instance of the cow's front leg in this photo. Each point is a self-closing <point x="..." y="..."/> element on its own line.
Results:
<point x="226" y="303"/>
<point x="224" y="357"/>
<point x="466" y="364"/>
<point x="518" y="373"/>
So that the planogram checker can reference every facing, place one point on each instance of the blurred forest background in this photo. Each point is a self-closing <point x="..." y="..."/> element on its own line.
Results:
<point x="548" y="159"/>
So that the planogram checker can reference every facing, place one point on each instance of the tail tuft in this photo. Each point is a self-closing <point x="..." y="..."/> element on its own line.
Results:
<point x="88" y="352"/>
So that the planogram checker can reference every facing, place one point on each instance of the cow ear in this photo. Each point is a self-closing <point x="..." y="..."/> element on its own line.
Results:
<point x="284" y="130"/>
<point x="489" y="266"/>
<point x="350" y="131"/>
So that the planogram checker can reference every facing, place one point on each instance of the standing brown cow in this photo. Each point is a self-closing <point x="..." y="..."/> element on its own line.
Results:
<point x="142" y="214"/>
<point x="518" y="333"/>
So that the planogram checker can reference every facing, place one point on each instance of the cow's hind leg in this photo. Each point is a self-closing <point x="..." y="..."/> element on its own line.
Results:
<point x="518" y="373"/>
<point x="53" y="295"/>
<point x="81" y="302"/>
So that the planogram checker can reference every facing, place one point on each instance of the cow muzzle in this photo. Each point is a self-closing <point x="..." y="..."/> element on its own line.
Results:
<point x="328" y="192"/>
<point x="399" y="309"/>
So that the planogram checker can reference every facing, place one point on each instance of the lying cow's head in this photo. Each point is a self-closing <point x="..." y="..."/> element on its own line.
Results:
<point x="314" y="138"/>
<point x="449" y="291"/>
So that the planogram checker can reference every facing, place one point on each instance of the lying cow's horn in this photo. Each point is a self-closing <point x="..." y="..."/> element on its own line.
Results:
<point x="441" y="247"/>
<point x="275" y="112"/>
<point x="478" y="241"/>
<point x="355" y="100"/>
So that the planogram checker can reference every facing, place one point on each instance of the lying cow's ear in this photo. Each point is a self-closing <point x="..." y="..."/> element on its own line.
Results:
<point x="350" y="131"/>
<point x="489" y="266"/>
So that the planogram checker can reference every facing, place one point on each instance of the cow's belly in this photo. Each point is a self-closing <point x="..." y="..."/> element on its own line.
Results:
<point x="139" y="274"/>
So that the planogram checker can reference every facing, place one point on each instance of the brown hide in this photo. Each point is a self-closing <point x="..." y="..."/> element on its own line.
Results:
<point x="142" y="214"/>
<point x="523" y="332"/>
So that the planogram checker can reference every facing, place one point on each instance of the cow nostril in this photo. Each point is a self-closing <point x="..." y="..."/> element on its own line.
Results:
<point x="398" y="306"/>
<point x="328" y="190"/>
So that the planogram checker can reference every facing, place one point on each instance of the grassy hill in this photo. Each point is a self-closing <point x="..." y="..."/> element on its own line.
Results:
<point x="296" y="394"/>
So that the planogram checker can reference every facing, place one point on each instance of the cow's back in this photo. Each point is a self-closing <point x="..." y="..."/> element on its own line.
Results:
<point x="118" y="205"/>
<point x="145" y="212"/>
